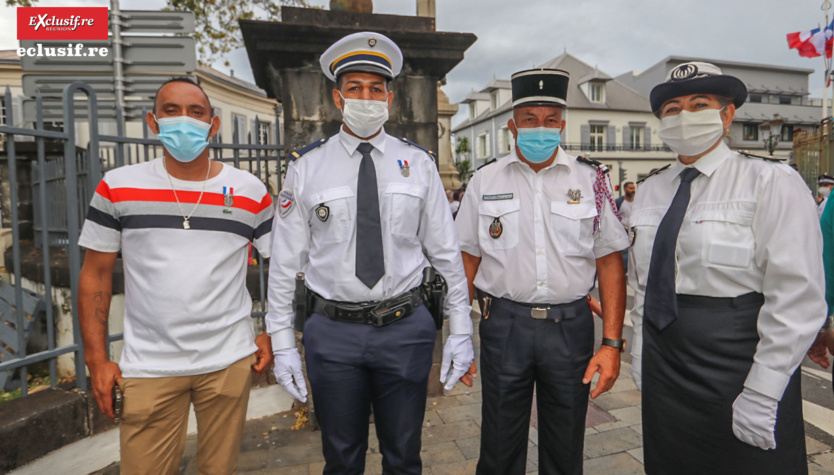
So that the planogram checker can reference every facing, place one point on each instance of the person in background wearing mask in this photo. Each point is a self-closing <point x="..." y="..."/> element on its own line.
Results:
<point x="826" y="182"/>
<point x="183" y="224"/>
<point x="362" y="214"/>
<point x="533" y="237"/>
<point x="728" y="298"/>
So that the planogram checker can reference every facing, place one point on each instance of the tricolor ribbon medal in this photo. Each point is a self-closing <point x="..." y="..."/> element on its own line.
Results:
<point x="228" y="199"/>
<point x="404" y="168"/>
<point x="496" y="228"/>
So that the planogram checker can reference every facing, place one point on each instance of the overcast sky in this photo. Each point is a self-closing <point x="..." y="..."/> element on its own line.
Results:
<point x="615" y="35"/>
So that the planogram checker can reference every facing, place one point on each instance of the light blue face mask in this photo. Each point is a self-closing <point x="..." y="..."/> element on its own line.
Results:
<point x="537" y="144"/>
<point x="184" y="137"/>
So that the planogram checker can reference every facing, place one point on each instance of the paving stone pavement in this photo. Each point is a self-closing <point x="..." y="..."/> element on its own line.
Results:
<point x="451" y="438"/>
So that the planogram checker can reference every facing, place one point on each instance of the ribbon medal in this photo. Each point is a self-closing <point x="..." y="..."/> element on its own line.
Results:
<point x="322" y="212"/>
<point x="228" y="199"/>
<point x="404" y="169"/>
<point x="496" y="229"/>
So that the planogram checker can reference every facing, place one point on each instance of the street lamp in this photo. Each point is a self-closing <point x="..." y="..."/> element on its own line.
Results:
<point x="772" y="132"/>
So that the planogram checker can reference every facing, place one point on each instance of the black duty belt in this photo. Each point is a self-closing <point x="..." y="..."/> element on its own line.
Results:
<point x="377" y="314"/>
<point x="556" y="312"/>
<point x="752" y="298"/>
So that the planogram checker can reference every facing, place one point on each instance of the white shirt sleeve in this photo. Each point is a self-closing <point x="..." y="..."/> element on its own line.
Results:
<point x="440" y="241"/>
<point x="290" y="251"/>
<point x="611" y="237"/>
<point x="466" y="221"/>
<point x="789" y="249"/>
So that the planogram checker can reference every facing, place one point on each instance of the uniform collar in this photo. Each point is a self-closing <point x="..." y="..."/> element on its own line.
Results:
<point x="562" y="158"/>
<point x="351" y="142"/>
<point x="708" y="163"/>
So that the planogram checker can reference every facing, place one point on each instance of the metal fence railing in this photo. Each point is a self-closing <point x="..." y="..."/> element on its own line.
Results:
<point x="62" y="186"/>
<point x="812" y="153"/>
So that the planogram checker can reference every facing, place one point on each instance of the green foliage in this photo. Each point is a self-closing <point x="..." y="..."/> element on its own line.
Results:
<point x="218" y="31"/>
<point x="462" y="162"/>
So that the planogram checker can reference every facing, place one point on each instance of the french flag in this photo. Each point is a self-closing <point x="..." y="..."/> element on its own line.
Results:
<point x="813" y="43"/>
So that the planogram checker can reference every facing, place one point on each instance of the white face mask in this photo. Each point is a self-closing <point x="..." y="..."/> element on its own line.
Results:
<point x="691" y="133"/>
<point x="824" y="191"/>
<point x="364" y="118"/>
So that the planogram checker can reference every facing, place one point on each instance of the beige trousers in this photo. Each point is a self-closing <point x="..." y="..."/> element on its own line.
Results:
<point x="155" y="419"/>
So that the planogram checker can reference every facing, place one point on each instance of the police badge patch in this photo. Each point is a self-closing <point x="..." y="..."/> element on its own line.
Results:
<point x="286" y="202"/>
<point x="496" y="229"/>
<point x="322" y="212"/>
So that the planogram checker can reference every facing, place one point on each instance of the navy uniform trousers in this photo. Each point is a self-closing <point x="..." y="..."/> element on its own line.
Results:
<point x="353" y="366"/>
<point x="518" y="353"/>
<point x="693" y="371"/>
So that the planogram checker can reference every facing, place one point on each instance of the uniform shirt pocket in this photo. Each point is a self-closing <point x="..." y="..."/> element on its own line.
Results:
<point x="498" y="224"/>
<point x="573" y="227"/>
<point x="643" y="229"/>
<point x="330" y="214"/>
<point x="405" y="203"/>
<point x="726" y="238"/>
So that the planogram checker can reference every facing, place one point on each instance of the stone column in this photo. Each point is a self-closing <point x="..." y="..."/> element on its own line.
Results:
<point x="445" y="111"/>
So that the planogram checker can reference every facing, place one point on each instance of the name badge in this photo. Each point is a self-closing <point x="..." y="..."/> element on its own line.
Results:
<point x="502" y="196"/>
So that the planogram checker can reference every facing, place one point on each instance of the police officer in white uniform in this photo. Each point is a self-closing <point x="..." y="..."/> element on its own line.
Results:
<point x="362" y="214"/>
<point x="533" y="236"/>
<point x="729" y="284"/>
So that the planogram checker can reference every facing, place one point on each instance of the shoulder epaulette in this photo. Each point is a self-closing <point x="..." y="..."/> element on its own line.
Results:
<point x="488" y="163"/>
<point x="432" y="155"/>
<point x="654" y="173"/>
<point x="593" y="163"/>
<point x="769" y="158"/>
<point x="298" y="153"/>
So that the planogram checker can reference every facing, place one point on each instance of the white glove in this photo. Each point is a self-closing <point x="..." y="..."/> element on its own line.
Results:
<point x="637" y="370"/>
<point x="288" y="366"/>
<point x="754" y="419"/>
<point x="458" y="350"/>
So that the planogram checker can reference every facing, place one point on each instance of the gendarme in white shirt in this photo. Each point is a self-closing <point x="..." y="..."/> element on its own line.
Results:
<point x="417" y="231"/>
<point x="750" y="226"/>
<point x="547" y="249"/>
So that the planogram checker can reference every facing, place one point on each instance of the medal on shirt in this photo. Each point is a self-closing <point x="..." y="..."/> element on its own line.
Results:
<point x="496" y="229"/>
<point x="575" y="196"/>
<point x="322" y="212"/>
<point x="404" y="169"/>
<point x="228" y="199"/>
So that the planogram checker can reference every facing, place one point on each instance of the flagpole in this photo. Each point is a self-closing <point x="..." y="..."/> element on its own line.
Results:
<point x="826" y="5"/>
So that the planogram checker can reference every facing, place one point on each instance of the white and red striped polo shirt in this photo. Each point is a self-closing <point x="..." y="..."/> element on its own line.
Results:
<point x="187" y="310"/>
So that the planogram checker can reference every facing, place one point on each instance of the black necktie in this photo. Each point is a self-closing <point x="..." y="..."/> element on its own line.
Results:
<point x="661" y="305"/>
<point x="370" y="263"/>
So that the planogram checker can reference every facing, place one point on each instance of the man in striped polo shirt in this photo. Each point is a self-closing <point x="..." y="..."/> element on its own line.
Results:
<point x="183" y="224"/>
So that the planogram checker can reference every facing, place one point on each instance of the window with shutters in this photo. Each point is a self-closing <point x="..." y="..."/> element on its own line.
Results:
<point x="506" y="140"/>
<point x="787" y="133"/>
<point x="598" y="137"/>
<point x="637" y="134"/>
<point x="471" y="111"/>
<point x="750" y="132"/>
<point x="264" y="132"/>
<point x="483" y="146"/>
<point x="493" y="98"/>
<point x="240" y="120"/>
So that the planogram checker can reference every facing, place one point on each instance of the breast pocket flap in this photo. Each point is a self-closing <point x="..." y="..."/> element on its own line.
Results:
<point x="406" y="189"/>
<point x="499" y="208"/>
<point x="573" y="211"/>
<point x="333" y="194"/>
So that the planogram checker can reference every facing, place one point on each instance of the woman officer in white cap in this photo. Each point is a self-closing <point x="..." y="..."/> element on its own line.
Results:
<point x="726" y="251"/>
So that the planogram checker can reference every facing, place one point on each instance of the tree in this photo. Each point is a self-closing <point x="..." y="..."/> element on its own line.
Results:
<point x="462" y="162"/>
<point x="218" y="31"/>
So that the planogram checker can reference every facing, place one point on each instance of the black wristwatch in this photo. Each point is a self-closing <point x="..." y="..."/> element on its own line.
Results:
<point x="618" y="344"/>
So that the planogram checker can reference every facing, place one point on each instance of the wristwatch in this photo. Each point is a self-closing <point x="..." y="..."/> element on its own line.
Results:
<point x="618" y="344"/>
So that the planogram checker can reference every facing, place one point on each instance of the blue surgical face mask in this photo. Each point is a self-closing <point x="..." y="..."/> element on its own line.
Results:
<point x="184" y="137"/>
<point x="537" y="144"/>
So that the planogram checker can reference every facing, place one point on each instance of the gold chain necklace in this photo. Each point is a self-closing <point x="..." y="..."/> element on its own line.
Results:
<point x="185" y="223"/>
